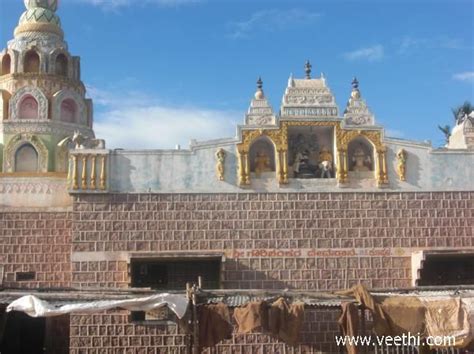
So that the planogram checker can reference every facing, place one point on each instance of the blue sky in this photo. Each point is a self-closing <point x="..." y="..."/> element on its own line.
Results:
<point x="164" y="71"/>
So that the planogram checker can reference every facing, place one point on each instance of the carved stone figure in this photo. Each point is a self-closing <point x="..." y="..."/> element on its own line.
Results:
<point x="325" y="163"/>
<point x="262" y="163"/>
<point x="401" y="164"/>
<point x="220" y="166"/>
<point x="361" y="160"/>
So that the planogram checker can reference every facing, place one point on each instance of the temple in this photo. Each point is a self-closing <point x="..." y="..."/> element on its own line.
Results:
<point x="302" y="202"/>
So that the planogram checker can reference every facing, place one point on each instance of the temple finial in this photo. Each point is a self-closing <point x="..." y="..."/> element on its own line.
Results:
<point x="259" y="95"/>
<point x="307" y="69"/>
<point x="355" y="88"/>
<point x="355" y="83"/>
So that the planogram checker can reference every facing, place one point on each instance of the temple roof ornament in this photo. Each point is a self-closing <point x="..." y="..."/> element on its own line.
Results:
<point x="308" y="98"/>
<point x="260" y="113"/>
<point x="357" y="112"/>
<point x="307" y="69"/>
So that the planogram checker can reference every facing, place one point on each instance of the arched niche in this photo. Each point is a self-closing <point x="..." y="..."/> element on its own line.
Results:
<point x="31" y="62"/>
<point x="28" y="108"/>
<point x="69" y="106"/>
<point x="262" y="156"/>
<point x="360" y="152"/>
<point x="26" y="159"/>
<point x="68" y="111"/>
<point x="61" y="65"/>
<point x="13" y="147"/>
<point x="17" y="102"/>
<point x="6" y="64"/>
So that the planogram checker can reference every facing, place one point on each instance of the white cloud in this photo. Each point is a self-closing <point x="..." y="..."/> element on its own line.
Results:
<point x="115" y="4"/>
<point x="408" y="43"/>
<point x="370" y="54"/>
<point x="133" y="120"/>
<point x="465" y="76"/>
<point x="271" y="20"/>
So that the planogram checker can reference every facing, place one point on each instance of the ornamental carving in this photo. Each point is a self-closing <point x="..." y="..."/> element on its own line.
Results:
<point x="344" y="137"/>
<point x="401" y="164"/>
<point x="17" y="142"/>
<point x="220" y="166"/>
<point x="277" y="136"/>
<point x="37" y="94"/>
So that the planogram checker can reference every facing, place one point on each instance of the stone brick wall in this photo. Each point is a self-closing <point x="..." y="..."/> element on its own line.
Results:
<point x="37" y="242"/>
<point x="313" y="241"/>
<point x="111" y="332"/>
<point x="310" y="241"/>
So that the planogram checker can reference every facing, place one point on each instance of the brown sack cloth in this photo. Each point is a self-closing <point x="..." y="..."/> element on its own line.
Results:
<point x="448" y="317"/>
<point x="253" y="316"/>
<point x="405" y="314"/>
<point x="214" y="324"/>
<point x="362" y="296"/>
<point x="349" y="322"/>
<point x="285" y="321"/>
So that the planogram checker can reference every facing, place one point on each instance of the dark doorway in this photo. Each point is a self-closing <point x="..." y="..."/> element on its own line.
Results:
<point x="23" y="334"/>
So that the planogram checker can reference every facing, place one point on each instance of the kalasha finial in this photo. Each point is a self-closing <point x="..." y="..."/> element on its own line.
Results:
<point x="355" y="83"/>
<point x="355" y="94"/>
<point x="307" y="69"/>
<point x="259" y="95"/>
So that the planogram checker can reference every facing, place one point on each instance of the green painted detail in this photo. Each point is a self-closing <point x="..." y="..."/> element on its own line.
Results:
<point x="40" y="15"/>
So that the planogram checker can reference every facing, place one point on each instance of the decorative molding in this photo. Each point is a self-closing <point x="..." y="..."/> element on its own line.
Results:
<point x="18" y="141"/>
<point x="48" y="127"/>
<point x="38" y="95"/>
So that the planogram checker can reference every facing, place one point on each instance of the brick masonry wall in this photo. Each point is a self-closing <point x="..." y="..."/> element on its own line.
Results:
<point x="111" y="332"/>
<point x="245" y="226"/>
<point x="37" y="242"/>
<point x="253" y="230"/>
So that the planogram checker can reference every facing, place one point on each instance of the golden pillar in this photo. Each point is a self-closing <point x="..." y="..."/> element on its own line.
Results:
<point x="75" y="185"/>
<point x="384" y="167"/>
<point x="284" y="154"/>
<point x="93" y="172"/>
<point x="103" y="175"/>
<point x="246" y="168"/>
<point x="84" y="172"/>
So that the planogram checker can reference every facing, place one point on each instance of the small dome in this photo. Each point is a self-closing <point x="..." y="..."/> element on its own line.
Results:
<point x="51" y="5"/>
<point x="259" y="95"/>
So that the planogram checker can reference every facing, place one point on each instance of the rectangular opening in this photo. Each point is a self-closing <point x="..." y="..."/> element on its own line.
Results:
<point x="447" y="269"/>
<point x="25" y="276"/>
<point x="171" y="274"/>
<point x="174" y="274"/>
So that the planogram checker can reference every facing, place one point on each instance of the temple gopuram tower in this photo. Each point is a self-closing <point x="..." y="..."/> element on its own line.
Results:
<point x="42" y="103"/>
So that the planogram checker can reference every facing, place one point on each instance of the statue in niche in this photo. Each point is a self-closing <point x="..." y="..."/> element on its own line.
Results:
<point x="220" y="169"/>
<point x="361" y="160"/>
<point x="325" y="163"/>
<point x="401" y="164"/>
<point x="262" y="163"/>
<point x="302" y="168"/>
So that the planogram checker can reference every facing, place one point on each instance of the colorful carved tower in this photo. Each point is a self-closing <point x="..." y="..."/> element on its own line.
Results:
<point x="42" y="102"/>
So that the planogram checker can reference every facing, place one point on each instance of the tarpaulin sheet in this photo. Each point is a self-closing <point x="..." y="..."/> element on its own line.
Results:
<point x="35" y="307"/>
<point x="449" y="316"/>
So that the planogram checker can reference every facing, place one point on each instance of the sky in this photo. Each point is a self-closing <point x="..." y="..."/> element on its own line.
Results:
<point x="162" y="72"/>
